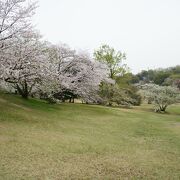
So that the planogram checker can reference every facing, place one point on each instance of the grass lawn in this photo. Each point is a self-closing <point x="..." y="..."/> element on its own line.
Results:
<point x="76" y="141"/>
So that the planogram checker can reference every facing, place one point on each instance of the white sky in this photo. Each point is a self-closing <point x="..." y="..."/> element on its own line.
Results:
<point x="147" y="30"/>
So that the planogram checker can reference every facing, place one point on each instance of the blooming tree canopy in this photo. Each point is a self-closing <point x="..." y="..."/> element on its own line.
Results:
<point x="161" y="96"/>
<point x="22" y="64"/>
<point x="15" y="17"/>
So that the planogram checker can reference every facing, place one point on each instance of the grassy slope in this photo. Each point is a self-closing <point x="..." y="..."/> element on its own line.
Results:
<point x="70" y="141"/>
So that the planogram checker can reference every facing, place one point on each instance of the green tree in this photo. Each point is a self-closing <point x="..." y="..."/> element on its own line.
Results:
<point x="160" y="77"/>
<point x="113" y="94"/>
<point x="113" y="59"/>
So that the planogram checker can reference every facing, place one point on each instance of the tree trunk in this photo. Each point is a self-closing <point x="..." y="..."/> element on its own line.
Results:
<point x="163" y="108"/>
<point x="24" y="91"/>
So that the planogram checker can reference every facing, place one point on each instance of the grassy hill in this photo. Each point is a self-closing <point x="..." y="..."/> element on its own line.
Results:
<point x="75" y="141"/>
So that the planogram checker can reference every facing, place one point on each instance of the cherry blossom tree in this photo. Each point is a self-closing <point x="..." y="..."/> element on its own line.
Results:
<point x="15" y="18"/>
<point x="22" y="64"/>
<point x="32" y="66"/>
<point x="51" y="71"/>
<point x="82" y="77"/>
<point x="75" y="75"/>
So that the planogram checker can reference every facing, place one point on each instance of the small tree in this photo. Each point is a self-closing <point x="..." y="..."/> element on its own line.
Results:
<point x="113" y="59"/>
<point x="112" y="94"/>
<point x="161" y="96"/>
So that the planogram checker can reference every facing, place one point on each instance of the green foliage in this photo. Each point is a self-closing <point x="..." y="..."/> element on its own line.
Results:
<point x="125" y="82"/>
<point x="106" y="93"/>
<point x="121" y="93"/>
<point x="173" y="80"/>
<point x="160" y="76"/>
<point x="115" y="94"/>
<point x="113" y="59"/>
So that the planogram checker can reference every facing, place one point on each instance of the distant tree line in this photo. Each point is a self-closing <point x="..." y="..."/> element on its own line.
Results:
<point x="163" y="77"/>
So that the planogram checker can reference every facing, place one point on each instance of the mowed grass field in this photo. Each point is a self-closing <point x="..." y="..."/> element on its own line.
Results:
<point x="78" y="141"/>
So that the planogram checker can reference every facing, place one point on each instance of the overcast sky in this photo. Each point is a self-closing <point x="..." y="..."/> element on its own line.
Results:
<point x="148" y="31"/>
